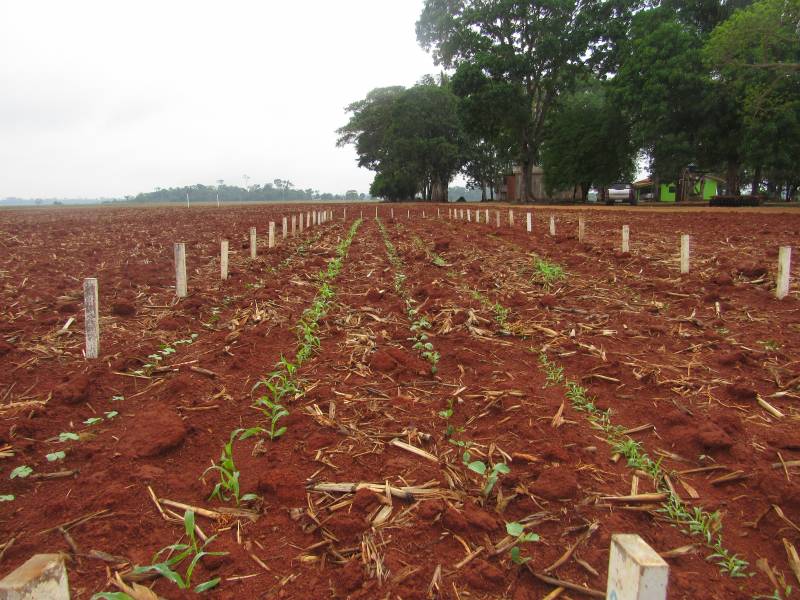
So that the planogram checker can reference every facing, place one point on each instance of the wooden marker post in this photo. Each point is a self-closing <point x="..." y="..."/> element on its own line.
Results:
<point x="223" y="260"/>
<point x="497" y="214"/>
<point x="344" y="215"/>
<point x="408" y="214"/>
<point x="626" y="239"/>
<point x="477" y="216"/>
<point x="308" y="220"/>
<point x="284" y="228"/>
<point x="552" y="226"/>
<point x="685" y="252"/>
<point x="294" y="225"/>
<point x="469" y="216"/>
<point x="529" y="222"/>
<point x="180" y="270"/>
<point x="91" y="307"/>
<point x="301" y="217"/>
<point x="272" y="234"/>
<point x="581" y="228"/>
<point x="423" y="214"/>
<point x="635" y="570"/>
<point x="784" y="267"/>
<point x="391" y="212"/>
<point x="487" y="216"/>
<point x="253" y="243"/>
<point x="438" y="215"/>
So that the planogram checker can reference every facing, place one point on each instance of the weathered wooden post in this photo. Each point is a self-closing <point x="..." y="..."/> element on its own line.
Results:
<point x="408" y="214"/>
<point x="635" y="570"/>
<point x="91" y="308"/>
<point x="469" y="216"/>
<point x="552" y="225"/>
<point x="180" y="270"/>
<point x="784" y="268"/>
<point x="497" y="214"/>
<point x="626" y="239"/>
<point x="223" y="260"/>
<point x="685" y="252"/>
<point x="294" y="225"/>
<point x="41" y="577"/>
<point x="376" y="212"/>
<point x="253" y="243"/>
<point x="301" y="217"/>
<point x="284" y="228"/>
<point x="438" y="215"/>
<point x="510" y="218"/>
<point x="581" y="228"/>
<point x="391" y="212"/>
<point x="344" y="214"/>
<point x="529" y="223"/>
<point x="272" y="234"/>
<point x="487" y="216"/>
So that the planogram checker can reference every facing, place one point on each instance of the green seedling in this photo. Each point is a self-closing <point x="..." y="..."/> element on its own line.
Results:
<point x="479" y="467"/>
<point x="111" y="414"/>
<point x="228" y="486"/>
<point x="54" y="456"/>
<point x="191" y="550"/>
<point x="517" y="530"/>
<point x="67" y="436"/>
<point x="547" y="272"/>
<point x="117" y="398"/>
<point x="93" y="421"/>
<point x="21" y="472"/>
<point x="6" y="497"/>
<point x="273" y="412"/>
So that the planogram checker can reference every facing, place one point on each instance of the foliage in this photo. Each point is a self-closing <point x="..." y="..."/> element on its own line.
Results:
<point x="517" y="530"/>
<point x="491" y="475"/>
<point x="21" y="472"/>
<point x="228" y="486"/>
<point x="410" y="137"/>
<point x="191" y="550"/>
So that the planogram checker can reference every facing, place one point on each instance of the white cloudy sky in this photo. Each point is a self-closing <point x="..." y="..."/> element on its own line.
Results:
<point x="107" y="98"/>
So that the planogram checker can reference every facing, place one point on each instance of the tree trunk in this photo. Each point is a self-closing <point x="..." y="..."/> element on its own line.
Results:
<point x="756" y="186"/>
<point x="527" y="167"/>
<point x="732" y="179"/>
<point x="585" y="192"/>
<point x="491" y="191"/>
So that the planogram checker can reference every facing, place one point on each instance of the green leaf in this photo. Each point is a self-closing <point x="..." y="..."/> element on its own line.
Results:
<point x="92" y="421"/>
<point x="188" y="523"/>
<point x="111" y="414"/>
<point x="530" y="537"/>
<point x="249" y="497"/>
<point x="279" y="433"/>
<point x="54" y="456"/>
<point x="111" y="596"/>
<point x="514" y="529"/>
<point x="477" y="466"/>
<point x="207" y="585"/>
<point x="21" y="471"/>
<point x="164" y="570"/>
<point x="117" y="398"/>
<point x="68" y="436"/>
<point x="6" y="497"/>
<point x="501" y="468"/>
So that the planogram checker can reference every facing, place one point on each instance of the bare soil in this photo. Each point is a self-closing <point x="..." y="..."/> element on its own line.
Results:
<point x="686" y="363"/>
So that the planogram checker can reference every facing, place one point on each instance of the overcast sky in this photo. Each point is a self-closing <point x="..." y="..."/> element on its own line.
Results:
<point x="107" y="98"/>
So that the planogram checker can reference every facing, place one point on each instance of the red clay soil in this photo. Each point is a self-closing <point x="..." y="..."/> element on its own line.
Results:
<point x="686" y="358"/>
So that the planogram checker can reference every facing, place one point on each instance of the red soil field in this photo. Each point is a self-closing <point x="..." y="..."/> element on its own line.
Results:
<point x="699" y="369"/>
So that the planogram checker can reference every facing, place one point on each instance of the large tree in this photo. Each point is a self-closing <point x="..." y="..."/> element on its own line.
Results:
<point x="411" y="138"/>
<point x="535" y="49"/>
<point x="586" y="141"/>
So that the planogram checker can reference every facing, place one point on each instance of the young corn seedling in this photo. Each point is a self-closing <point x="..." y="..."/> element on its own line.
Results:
<point x="191" y="550"/>
<point x="517" y="530"/>
<point x="273" y="412"/>
<point x="228" y="486"/>
<point x="547" y="273"/>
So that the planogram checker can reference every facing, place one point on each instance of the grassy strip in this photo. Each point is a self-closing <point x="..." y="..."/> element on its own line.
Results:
<point x="419" y="324"/>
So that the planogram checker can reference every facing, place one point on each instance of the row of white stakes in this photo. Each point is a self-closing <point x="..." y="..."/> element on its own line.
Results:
<point x="784" y="252"/>
<point x="90" y="287"/>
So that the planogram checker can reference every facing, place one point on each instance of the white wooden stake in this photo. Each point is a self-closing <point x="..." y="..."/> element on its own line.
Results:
<point x="497" y="214"/>
<point x="408" y="215"/>
<point x="294" y="225"/>
<point x="510" y="218"/>
<point x="438" y="215"/>
<point x="284" y="228"/>
<point x="784" y="268"/>
<point x="635" y="570"/>
<point x="423" y="214"/>
<point x="552" y="225"/>
<point x="92" y="311"/>
<point x="626" y="239"/>
<point x="487" y="216"/>
<point x="469" y="216"/>
<point x="581" y="228"/>
<point x="253" y="243"/>
<point x="272" y="234"/>
<point x="529" y="223"/>
<point x="223" y="259"/>
<point x="180" y="270"/>
<point x="376" y="212"/>
<point x="344" y="214"/>
<point x="685" y="253"/>
<point x="477" y="216"/>
<point x="391" y="211"/>
<point x="301" y="218"/>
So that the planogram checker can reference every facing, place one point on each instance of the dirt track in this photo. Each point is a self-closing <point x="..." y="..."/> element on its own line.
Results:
<point x="681" y="361"/>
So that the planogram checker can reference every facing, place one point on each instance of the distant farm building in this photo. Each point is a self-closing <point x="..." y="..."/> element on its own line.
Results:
<point x="703" y="187"/>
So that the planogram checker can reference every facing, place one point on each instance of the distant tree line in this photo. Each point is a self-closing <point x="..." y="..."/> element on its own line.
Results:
<point x="586" y="89"/>
<point x="278" y="190"/>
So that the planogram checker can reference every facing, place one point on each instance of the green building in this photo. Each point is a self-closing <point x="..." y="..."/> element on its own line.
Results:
<point x="703" y="189"/>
